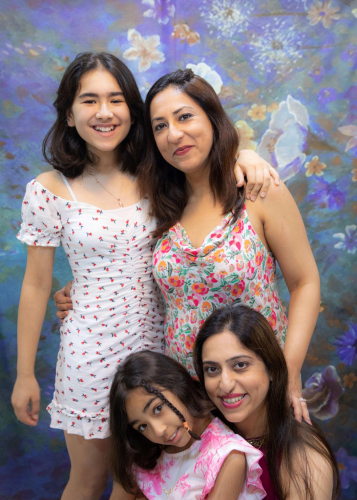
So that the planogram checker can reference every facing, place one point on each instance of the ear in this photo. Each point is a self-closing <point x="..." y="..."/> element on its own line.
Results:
<point x="70" y="119"/>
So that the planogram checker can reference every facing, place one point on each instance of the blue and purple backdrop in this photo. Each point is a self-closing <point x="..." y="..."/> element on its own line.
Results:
<point x="285" y="72"/>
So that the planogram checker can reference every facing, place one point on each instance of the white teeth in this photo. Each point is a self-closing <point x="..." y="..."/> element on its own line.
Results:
<point x="233" y="400"/>
<point x="104" y="129"/>
<point x="173" y="437"/>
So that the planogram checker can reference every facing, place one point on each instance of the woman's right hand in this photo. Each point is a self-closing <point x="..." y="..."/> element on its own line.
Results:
<point x="25" y="400"/>
<point x="63" y="301"/>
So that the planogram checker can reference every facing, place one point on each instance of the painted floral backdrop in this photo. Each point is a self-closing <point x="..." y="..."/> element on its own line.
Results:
<point x="286" y="75"/>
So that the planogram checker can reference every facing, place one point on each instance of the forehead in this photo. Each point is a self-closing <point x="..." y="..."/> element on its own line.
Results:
<point x="171" y="99"/>
<point x="223" y="346"/>
<point x="98" y="81"/>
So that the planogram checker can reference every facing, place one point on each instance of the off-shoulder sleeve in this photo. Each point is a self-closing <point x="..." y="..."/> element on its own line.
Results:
<point x="41" y="219"/>
<point x="215" y="448"/>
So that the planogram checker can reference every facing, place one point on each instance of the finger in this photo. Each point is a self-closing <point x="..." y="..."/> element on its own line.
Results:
<point x="259" y="181"/>
<point x="250" y="185"/>
<point x="62" y="314"/>
<point x="67" y="288"/>
<point x="22" y="414"/>
<point x="266" y="184"/>
<point x="275" y="175"/>
<point x="305" y="413"/>
<point x="35" y="409"/>
<point x="297" y="409"/>
<point x="64" y="306"/>
<point x="239" y="175"/>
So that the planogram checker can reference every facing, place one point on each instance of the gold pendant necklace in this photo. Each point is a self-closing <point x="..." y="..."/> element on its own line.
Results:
<point x="111" y="194"/>
<point x="257" y="442"/>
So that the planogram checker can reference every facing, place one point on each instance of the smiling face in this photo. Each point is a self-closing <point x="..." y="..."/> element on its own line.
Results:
<point x="99" y="112"/>
<point x="182" y="130"/>
<point x="237" y="382"/>
<point x="150" y="416"/>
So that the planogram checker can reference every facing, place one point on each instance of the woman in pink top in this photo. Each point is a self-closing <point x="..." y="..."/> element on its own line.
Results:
<point x="165" y="443"/>
<point x="216" y="247"/>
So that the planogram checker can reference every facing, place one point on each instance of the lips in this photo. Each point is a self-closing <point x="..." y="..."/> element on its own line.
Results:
<point x="104" y="128"/>
<point x="231" y="401"/>
<point x="182" y="150"/>
<point x="174" y="437"/>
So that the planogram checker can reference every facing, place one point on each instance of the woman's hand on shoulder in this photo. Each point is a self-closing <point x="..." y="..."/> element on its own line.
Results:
<point x="258" y="173"/>
<point x="230" y="479"/>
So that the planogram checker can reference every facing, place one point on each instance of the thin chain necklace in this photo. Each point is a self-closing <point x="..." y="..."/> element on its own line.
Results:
<point x="111" y="194"/>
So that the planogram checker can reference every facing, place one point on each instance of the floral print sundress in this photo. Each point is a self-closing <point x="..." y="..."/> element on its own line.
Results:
<point x="232" y="266"/>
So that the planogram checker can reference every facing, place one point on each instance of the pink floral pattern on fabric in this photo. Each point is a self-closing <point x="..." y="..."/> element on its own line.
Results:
<point x="191" y="474"/>
<point x="117" y="307"/>
<point x="232" y="266"/>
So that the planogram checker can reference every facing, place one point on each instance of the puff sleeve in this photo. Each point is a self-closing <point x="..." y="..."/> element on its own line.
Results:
<point x="41" y="219"/>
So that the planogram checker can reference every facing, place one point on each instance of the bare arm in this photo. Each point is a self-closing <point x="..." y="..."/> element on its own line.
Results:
<point x="257" y="171"/>
<point x="230" y="480"/>
<point x="37" y="283"/>
<point x="286" y="236"/>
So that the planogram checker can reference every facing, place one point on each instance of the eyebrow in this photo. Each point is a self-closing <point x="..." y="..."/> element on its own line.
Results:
<point x="174" y="113"/>
<point x="144" y="410"/>
<point x="91" y="94"/>
<point x="228" y="360"/>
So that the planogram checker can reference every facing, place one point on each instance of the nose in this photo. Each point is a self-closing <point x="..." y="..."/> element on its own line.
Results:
<point x="175" y="133"/>
<point x="104" y="112"/>
<point x="227" y="382"/>
<point x="159" y="428"/>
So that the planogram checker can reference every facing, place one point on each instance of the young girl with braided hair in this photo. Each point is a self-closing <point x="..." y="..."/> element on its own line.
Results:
<point x="165" y="442"/>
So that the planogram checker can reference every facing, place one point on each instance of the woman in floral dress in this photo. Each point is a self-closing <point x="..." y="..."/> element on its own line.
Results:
<point x="217" y="248"/>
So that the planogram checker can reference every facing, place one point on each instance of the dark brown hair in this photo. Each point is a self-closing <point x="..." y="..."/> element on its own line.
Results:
<point x="154" y="372"/>
<point x="165" y="184"/>
<point x="288" y="439"/>
<point x="63" y="148"/>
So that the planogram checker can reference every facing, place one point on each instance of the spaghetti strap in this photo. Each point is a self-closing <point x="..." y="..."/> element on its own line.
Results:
<point x="68" y="186"/>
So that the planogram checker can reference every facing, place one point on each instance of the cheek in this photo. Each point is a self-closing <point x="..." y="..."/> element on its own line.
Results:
<point x="210" y="385"/>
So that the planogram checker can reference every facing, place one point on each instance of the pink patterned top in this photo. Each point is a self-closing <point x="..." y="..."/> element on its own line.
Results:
<point x="191" y="474"/>
<point x="232" y="266"/>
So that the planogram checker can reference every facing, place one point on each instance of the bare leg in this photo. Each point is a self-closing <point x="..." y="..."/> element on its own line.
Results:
<point x="119" y="493"/>
<point x="89" y="467"/>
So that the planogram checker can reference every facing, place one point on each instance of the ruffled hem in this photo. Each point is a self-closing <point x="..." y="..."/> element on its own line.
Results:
<point x="33" y="239"/>
<point x="72" y="422"/>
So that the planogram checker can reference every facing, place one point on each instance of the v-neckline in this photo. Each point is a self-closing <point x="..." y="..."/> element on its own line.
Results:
<point x="186" y="237"/>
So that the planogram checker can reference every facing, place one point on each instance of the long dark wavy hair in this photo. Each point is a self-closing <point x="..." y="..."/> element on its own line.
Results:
<point x="63" y="148"/>
<point x="288" y="440"/>
<point x="154" y="372"/>
<point x="165" y="184"/>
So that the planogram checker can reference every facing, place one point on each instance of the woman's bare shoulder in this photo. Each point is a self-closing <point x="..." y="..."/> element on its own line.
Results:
<point x="53" y="181"/>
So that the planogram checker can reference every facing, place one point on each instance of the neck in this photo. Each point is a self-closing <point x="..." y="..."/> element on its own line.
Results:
<point x="254" y="426"/>
<point x="198" y="426"/>
<point x="198" y="183"/>
<point x="107" y="163"/>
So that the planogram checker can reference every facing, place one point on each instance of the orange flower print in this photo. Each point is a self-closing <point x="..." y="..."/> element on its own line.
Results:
<point x="238" y="288"/>
<point x="218" y="255"/>
<point x="247" y="245"/>
<point x="193" y="316"/>
<point x="179" y="303"/>
<point x="190" y="340"/>
<point x="239" y="263"/>
<point x="238" y="228"/>
<point x="207" y="249"/>
<point x="258" y="258"/>
<point x="170" y="332"/>
<point x="206" y="306"/>
<point x="180" y="292"/>
<point x="231" y="268"/>
<point x="193" y="300"/>
<point x="162" y="266"/>
<point x="176" y="281"/>
<point x="272" y="319"/>
<point x="269" y="262"/>
<point x="165" y="246"/>
<point x="222" y="274"/>
<point x="182" y="337"/>
<point x="200" y="288"/>
<point x="255" y="289"/>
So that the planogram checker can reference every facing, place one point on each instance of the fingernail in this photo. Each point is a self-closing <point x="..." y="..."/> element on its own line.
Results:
<point x="252" y="197"/>
<point x="277" y="183"/>
<point x="262" y="195"/>
<point x="247" y="196"/>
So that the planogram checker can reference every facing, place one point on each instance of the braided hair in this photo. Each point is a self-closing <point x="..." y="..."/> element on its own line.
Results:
<point x="152" y="390"/>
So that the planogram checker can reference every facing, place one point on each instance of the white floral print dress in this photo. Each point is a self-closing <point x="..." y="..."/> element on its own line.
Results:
<point x="117" y="307"/>
<point x="191" y="474"/>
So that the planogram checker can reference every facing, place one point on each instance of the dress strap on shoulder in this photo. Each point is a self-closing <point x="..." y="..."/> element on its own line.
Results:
<point x="68" y="186"/>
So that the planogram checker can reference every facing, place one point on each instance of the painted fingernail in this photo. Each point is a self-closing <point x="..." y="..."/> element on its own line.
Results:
<point x="252" y="197"/>
<point x="247" y="196"/>
<point x="262" y="195"/>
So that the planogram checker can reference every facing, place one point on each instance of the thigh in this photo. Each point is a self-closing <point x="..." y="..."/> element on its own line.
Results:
<point x="89" y="457"/>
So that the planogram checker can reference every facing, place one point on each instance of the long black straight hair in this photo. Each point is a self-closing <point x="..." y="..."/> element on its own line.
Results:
<point x="63" y="148"/>
<point x="287" y="439"/>
<point x="154" y="372"/>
